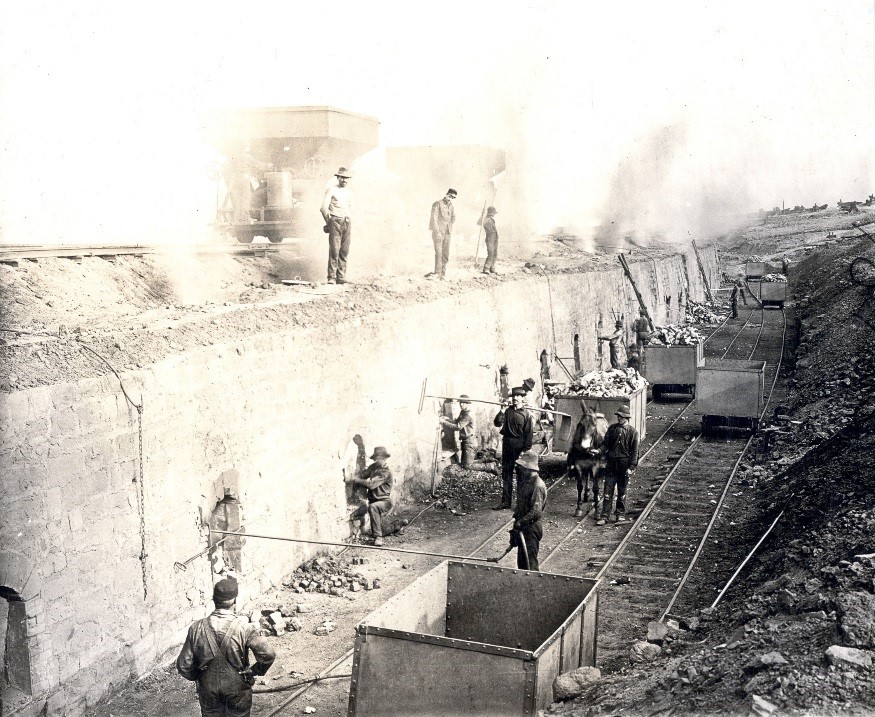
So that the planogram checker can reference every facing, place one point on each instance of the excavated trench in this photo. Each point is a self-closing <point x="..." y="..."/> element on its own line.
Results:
<point x="122" y="437"/>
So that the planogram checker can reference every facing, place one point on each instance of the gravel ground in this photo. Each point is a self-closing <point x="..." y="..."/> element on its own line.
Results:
<point x="763" y="649"/>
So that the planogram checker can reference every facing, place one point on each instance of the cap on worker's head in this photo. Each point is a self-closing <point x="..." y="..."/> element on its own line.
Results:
<point x="528" y="460"/>
<point x="624" y="412"/>
<point x="224" y="590"/>
<point x="529" y="384"/>
<point x="618" y="324"/>
<point x="491" y="210"/>
<point x="517" y="391"/>
<point x="380" y="452"/>
<point x="343" y="172"/>
<point x="463" y="399"/>
<point x="452" y="192"/>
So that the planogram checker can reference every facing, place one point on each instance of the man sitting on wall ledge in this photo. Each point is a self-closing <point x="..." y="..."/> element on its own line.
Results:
<point x="216" y="656"/>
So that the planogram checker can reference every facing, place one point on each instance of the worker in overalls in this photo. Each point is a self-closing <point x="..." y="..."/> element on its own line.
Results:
<point x="216" y="656"/>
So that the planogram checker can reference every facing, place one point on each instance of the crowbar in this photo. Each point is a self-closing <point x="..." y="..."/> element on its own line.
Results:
<point x="423" y="395"/>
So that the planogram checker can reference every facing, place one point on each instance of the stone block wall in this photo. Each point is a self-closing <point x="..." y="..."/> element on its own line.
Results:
<point x="91" y="534"/>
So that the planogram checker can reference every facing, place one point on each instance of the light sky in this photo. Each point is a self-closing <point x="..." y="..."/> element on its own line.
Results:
<point x="647" y="114"/>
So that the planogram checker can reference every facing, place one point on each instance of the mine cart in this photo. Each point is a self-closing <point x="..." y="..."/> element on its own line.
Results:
<point x="570" y="404"/>
<point x="470" y="639"/>
<point x="293" y="152"/>
<point x="730" y="393"/>
<point x="672" y="369"/>
<point x="755" y="269"/>
<point x="771" y="293"/>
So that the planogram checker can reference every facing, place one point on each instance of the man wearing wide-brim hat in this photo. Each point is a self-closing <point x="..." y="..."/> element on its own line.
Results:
<point x="530" y="502"/>
<point x="216" y="656"/>
<point x="620" y="449"/>
<point x="337" y="213"/>
<point x="377" y="478"/>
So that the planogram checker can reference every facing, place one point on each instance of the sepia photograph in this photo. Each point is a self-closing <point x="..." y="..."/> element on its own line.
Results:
<point x="506" y="359"/>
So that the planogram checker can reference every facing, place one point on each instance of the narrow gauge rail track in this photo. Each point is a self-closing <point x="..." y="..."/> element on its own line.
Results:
<point x="645" y="573"/>
<point x="561" y="525"/>
<point x="568" y="539"/>
<point x="11" y="254"/>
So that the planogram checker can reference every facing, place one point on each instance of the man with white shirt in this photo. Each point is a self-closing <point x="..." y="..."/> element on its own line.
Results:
<point x="441" y="224"/>
<point x="337" y="213"/>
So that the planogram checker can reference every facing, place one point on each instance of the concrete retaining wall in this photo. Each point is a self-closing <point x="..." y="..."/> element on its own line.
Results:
<point x="90" y="533"/>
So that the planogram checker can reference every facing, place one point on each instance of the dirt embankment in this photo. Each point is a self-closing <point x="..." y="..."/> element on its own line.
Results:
<point x="796" y="631"/>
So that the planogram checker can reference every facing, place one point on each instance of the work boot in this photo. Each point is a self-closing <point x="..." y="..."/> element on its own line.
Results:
<point x="503" y="506"/>
<point x="341" y="280"/>
<point x="579" y="512"/>
<point x="600" y="521"/>
<point x="378" y="541"/>
<point x="331" y="280"/>
<point x="620" y="519"/>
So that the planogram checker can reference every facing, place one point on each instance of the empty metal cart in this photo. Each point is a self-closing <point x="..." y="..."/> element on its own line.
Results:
<point x="730" y="393"/>
<point x="673" y="369"/>
<point x="468" y="639"/>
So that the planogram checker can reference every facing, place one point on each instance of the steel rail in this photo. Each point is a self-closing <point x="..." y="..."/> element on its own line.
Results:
<point x="643" y="458"/>
<point x="16" y="252"/>
<point x="699" y="549"/>
<point x="489" y="539"/>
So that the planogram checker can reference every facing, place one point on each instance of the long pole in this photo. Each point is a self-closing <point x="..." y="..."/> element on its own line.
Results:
<point x="702" y="271"/>
<point x="479" y="231"/>
<point x="496" y="403"/>
<point x="345" y="545"/>
<point x="640" y="298"/>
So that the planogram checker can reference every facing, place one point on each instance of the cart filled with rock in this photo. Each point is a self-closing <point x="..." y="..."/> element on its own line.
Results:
<point x="771" y="290"/>
<point x="603" y="392"/>
<point x="673" y="356"/>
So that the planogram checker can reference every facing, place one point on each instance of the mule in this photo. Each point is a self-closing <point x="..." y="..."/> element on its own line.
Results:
<point x="585" y="459"/>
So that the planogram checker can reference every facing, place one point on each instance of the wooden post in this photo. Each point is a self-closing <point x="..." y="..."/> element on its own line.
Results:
<point x="702" y="271"/>
<point x="635" y="288"/>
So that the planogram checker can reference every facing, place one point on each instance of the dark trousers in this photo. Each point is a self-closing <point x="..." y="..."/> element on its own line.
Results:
<point x="376" y="511"/>
<point x="491" y="254"/>
<point x="615" y="476"/>
<point x="339" y="238"/>
<point x="528" y="559"/>
<point x="734" y="307"/>
<point x="221" y="705"/>
<point x="509" y="453"/>
<point x="467" y="451"/>
<point x="615" y="356"/>
<point x="441" y="251"/>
